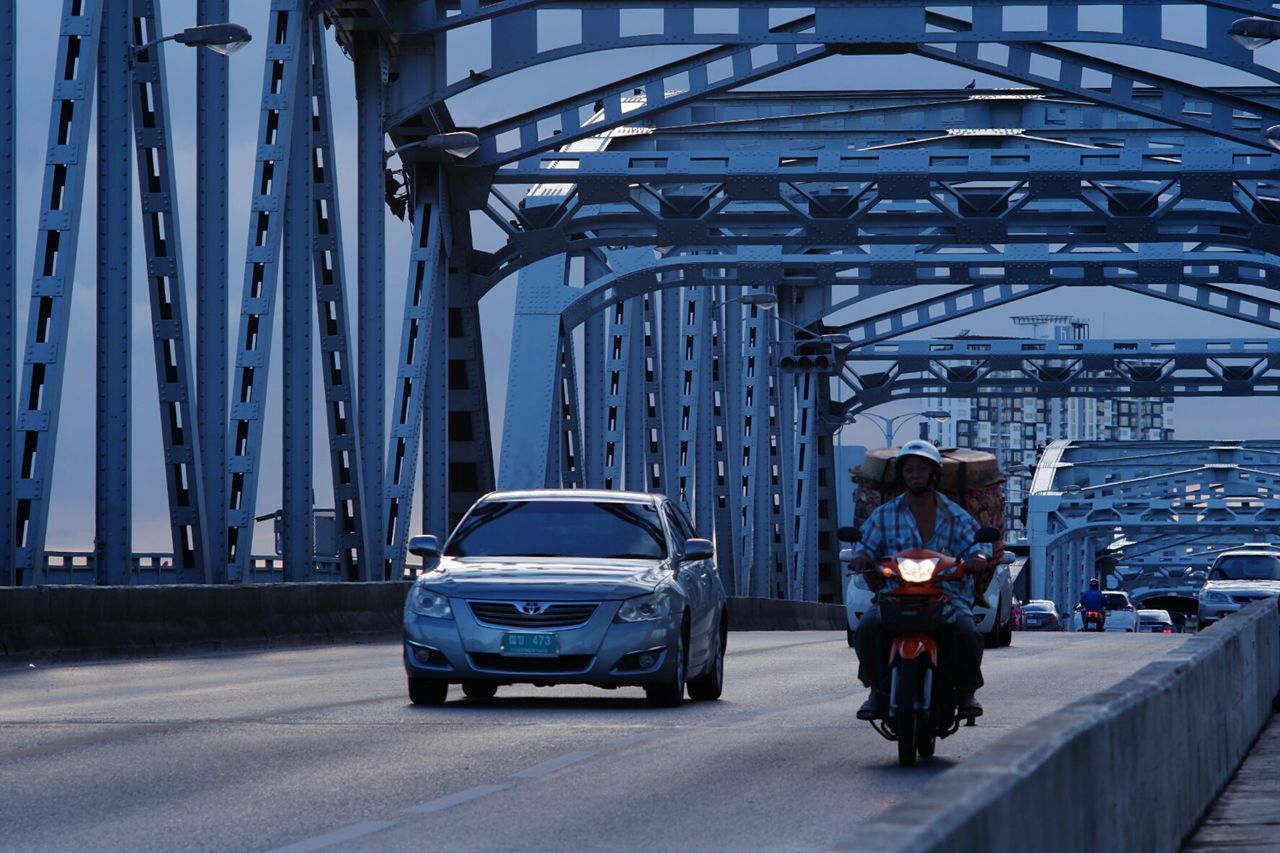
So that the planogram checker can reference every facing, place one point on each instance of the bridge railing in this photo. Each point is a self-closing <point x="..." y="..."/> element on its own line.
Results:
<point x="156" y="568"/>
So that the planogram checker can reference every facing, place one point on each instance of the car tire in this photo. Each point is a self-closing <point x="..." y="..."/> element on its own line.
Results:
<point x="849" y="632"/>
<point x="708" y="686"/>
<point x="670" y="693"/>
<point x="479" y="689"/>
<point x="428" y="691"/>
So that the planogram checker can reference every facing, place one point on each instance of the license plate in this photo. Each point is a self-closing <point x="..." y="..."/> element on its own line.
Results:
<point x="530" y="645"/>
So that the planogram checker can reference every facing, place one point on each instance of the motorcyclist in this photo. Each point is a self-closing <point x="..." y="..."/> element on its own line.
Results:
<point x="921" y="517"/>
<point x="1093" y="599"/>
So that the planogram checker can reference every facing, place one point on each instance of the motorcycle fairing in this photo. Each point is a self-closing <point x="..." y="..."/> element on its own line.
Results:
<point x="912" y="646"/>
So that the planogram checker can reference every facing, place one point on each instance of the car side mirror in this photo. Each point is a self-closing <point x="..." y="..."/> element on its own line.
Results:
<point x="1007" y="558"/>
<point x="698" y="549"/>
<point x="848" y="534"/>
<point x="427" y="547"/>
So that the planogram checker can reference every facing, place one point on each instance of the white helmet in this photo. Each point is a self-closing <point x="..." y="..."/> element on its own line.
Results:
<point x="921" y="448"/>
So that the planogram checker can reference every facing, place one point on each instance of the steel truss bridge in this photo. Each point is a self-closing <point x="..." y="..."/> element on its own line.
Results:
<point x="673" y="238"/>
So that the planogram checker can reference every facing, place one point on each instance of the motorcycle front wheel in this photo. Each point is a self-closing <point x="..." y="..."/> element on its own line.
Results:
<point x="907" y="720"/>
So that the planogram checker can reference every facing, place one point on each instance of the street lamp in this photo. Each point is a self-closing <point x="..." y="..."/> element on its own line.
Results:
<point x="225" y="39"/>
<point x="1253" y="33"/>
<point x="459" y="143"/>
<point x="891" y="426"/>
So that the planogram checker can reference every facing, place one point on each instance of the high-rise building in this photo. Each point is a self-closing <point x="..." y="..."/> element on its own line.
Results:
<point x="1015" y="429"/>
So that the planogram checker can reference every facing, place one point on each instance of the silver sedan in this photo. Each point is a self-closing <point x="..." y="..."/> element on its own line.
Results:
<point x="567" y="586"/>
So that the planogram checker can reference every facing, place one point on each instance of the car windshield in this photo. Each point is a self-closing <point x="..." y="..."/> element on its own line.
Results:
<point x="1116" y="600"/>
<point x="559" y="528"/>
<point x="1039" y="606"/>
<point x="1236" y="567"/>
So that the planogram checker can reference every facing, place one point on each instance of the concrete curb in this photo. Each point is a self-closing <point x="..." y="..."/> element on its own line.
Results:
<point x="65" y="622"/>
<point x="1129" y="768"/>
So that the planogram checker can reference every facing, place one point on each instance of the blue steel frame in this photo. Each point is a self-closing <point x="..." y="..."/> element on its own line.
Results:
<point x="8" y="280"/>
<point x="722" y="219"/>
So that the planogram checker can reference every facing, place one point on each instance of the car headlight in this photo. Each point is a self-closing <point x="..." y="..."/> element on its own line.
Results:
<point x="646" y="608"/>
<point x="427" y="602"/>
<point x="1215" y="597"/>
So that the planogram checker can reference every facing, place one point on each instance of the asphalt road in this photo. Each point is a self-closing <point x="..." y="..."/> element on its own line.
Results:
<point x="319" y="748"/>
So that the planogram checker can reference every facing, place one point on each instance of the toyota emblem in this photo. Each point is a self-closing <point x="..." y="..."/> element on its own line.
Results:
<point x="532" y="608"/>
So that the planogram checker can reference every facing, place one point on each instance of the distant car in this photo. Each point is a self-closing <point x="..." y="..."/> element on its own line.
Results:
<point x="1121" y="615"/>
<point x="567" y="586"/>
<point x="1042" y="615"/>
<point x="1236" y="578"/>
<point x="1156" y="622"/>
<point x="994" y="621"/>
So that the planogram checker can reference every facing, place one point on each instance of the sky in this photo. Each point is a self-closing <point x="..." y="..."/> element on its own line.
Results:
<point x="71" y="518"/>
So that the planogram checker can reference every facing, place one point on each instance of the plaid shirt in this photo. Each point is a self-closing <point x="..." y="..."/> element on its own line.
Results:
<point x="892" y="528"/>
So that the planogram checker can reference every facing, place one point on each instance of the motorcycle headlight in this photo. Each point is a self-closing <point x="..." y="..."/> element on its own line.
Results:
<point x="646" y="608"/>
<point x="427" y="602"/>
<point x="917" y="571"/>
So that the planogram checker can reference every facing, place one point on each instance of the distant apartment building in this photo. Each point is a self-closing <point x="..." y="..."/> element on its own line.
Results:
<point x="1016" y="428"/>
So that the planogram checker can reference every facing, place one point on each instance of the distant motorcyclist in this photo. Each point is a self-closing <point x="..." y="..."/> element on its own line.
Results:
<point x="921" y="517"/>
<point x="1093" y="600"/>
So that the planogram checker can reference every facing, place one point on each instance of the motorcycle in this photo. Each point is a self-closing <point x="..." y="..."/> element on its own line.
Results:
<point x="1091" y="620"/>
<point x="923" y="701"/>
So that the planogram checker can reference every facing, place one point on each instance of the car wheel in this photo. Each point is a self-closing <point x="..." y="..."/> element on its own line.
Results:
<point x="427" y="691"/>
<point x="1006" y="630"/>
<point x="670" y="693"/>
<point x="708" y="686"/>
<point x="479" y="689"/>
<point x="849" y="632"/>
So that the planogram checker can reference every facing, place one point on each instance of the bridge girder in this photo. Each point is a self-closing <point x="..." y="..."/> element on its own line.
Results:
<point x="1086" y="497"/>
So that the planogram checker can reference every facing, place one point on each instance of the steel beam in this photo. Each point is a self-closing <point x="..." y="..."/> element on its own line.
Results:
<point x="212" y="289"/>
<point x="8" y="281"/>
<point x="166" y="289"/>
<point x="49" y="316"/>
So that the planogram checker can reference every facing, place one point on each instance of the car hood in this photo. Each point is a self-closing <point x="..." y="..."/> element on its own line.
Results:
<point x="1233" y="587"/>
<point x="570" y="578"/>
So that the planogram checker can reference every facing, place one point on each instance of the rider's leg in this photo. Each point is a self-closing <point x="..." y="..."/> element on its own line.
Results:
<point x="871" y="642"/>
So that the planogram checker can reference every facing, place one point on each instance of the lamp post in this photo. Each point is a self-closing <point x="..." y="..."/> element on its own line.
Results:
<point x="891" y="425"/>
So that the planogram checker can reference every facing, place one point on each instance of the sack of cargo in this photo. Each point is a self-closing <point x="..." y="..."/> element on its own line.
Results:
<point x="970" y="477"/>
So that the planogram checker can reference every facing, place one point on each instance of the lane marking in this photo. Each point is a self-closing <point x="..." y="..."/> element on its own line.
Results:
<point x="441" y="803"/>
<point x="546" y="768"/>
<point x="338" y="836"/>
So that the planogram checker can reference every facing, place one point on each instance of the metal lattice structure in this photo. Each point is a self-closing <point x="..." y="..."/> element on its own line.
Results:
<point x="675" y="241"/>
<point x="1176" y="502"/>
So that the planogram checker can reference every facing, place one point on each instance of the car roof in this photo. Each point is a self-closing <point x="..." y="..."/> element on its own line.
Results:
<point x="1249" y="552"/>
<point x="1041" y="602"/>
<point x="593" y="495"/>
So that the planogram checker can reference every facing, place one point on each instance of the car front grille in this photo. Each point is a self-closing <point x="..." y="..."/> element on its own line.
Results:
<point x="506" y="614"/>
<point x="531" y="665"/>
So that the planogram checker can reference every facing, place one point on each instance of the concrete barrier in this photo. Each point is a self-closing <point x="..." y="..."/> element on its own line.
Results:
<point x="770" y="614"/>
<point x="86" y="621"/>
<point x="1129" y="768"/>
